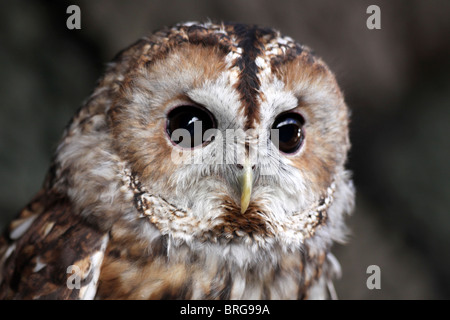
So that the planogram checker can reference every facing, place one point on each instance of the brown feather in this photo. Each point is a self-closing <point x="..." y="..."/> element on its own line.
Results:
<point x="57" y="238"/>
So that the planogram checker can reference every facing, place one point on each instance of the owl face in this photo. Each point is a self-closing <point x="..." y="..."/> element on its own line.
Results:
<point x="207" y="163"/>
<point x="229" y="132"/>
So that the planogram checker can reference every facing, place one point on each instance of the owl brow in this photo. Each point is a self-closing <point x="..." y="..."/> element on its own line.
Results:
<point x="248" y="84"/>
<point x="291" y="53"/>
<point x="250" y="39"/>
<point x="232" y="123"/>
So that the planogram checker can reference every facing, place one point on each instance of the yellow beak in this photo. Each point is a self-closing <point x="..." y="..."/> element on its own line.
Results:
<point x="246" y="185"/>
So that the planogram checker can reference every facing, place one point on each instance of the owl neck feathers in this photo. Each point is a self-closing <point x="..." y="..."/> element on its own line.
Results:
<point x="234" y="266"/>
<point x="174" y="221"/>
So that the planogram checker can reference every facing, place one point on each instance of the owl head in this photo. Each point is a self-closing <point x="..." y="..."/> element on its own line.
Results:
<point x="212" y="136"/>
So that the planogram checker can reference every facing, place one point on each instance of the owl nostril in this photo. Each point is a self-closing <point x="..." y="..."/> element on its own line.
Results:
<point x="240" y="166"/>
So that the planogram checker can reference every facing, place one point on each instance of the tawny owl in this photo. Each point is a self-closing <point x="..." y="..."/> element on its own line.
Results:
<point x="208" y="163"/>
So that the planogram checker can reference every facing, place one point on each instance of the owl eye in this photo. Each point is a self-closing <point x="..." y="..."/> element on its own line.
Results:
<point x="193" y="121"/>
<point x="290" y="132"/>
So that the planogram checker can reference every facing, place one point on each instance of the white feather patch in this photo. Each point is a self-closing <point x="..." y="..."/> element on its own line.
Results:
<point x="22" y="227"/>
<point x="89" y="291"/>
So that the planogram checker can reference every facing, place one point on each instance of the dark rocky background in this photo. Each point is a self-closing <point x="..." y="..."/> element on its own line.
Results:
<point x="396" y="81"/>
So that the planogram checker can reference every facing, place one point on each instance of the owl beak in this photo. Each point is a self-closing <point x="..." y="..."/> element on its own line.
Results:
<point x="246" y="185"/>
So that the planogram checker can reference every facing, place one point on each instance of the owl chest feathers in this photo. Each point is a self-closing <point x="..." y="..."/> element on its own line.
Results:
<point x="133" y="270"/>
<point x="162" y="252"/>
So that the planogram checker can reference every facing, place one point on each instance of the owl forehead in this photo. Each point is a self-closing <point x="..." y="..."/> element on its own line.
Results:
<point x="252" y="56"/>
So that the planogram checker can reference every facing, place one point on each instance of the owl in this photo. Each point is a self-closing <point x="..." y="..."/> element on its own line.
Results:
<point x="208" y="163"/>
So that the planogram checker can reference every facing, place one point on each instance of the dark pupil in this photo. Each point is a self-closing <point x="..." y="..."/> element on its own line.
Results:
<point x="290" y="132"/>
<point x="195" y="121"/>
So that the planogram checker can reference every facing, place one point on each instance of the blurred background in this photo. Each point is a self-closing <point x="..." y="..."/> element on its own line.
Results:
<point x="396" y="81"/>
